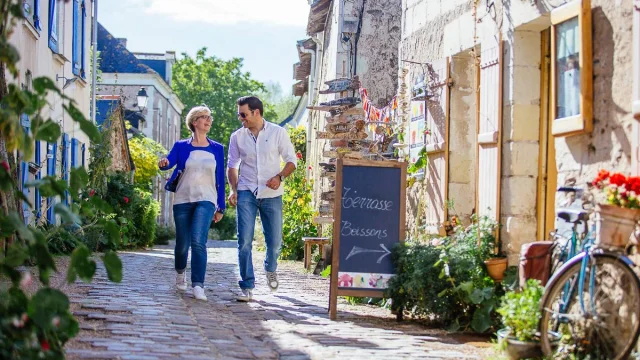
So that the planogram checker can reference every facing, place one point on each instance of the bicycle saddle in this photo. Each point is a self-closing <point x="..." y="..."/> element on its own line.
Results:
<point x="572" y="215"/>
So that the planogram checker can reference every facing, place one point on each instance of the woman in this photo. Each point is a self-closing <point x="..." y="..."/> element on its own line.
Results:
<point x="199" y="196"/>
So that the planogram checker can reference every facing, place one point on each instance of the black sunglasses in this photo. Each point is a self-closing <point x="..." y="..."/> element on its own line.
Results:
<point x="243" y="115"/>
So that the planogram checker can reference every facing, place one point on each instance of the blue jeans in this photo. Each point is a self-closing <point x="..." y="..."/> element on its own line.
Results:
<point x="192" y="229"/>
<point x="271" y="217"/>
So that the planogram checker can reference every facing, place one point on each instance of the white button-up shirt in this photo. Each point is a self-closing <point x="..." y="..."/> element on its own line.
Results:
<point x="258" y="159"/>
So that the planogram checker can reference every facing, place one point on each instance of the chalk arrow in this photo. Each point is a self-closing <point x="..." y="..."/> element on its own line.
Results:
<point x="358" y="250"/>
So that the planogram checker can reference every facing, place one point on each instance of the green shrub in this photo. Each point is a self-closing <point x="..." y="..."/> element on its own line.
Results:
<point x="297" y="214"/>
<point x="226" y="228"/>
<point x="62" y="241"/>
<point x="520" y="310"/>
<point x="164" y="234"/>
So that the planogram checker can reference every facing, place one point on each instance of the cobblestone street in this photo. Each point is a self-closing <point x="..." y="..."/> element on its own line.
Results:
<point x="145" y="317"/>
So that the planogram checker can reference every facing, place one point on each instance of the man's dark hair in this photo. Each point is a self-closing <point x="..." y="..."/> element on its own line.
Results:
<point x="253" y="102"/>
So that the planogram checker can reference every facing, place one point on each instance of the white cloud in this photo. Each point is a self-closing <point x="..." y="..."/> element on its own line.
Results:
<point x="252" y="13"/>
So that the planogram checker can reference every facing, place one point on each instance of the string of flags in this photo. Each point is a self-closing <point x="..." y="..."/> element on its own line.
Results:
<point x="374" y="114"/>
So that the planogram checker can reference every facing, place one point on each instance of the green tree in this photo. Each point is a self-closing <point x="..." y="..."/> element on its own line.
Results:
<point x="145" y="154"/>
<point x="283" y="104"/>
<point x="218" y="84"/>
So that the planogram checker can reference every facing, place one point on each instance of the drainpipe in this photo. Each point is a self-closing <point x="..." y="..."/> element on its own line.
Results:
<point x="94" y="44"/>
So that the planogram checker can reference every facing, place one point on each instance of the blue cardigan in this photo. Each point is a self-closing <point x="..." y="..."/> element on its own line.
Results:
<point x="178" y="157"/>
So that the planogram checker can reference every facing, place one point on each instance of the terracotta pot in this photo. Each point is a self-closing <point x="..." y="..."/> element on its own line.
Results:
<point x="614" y="225"/>
<point x="496" y="268"/>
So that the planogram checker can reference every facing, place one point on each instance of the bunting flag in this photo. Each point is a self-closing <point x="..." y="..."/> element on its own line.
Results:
<point x="372" y="113"/>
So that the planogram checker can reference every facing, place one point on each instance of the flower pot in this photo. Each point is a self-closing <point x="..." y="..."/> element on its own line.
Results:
<point x="517" y="349"/>
<point x="614" y="225"/>
<point x="496" y="268"/>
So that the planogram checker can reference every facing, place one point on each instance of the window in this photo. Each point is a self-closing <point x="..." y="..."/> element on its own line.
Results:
<point x="571" y="69"/>
<point x="37" y="201"/>
<point x="52" y="151"/>
<point x="24" y="170"/>
<point x="79" y="16"/>
<point x="54" y="21"/>
<point x="31" y="10"/>
<point x="65" y="164"/>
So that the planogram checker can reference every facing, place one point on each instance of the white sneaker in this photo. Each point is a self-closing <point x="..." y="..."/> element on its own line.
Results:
<point x="181" y="281"/>
<point x="198" y="293"/>
<point x="272" y="280"/>
<point x="247" y="295"/>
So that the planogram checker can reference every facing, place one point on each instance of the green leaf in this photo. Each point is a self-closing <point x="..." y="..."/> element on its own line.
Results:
<point x="85" y="125"/>
<point x="481" y="321"/>
<point x="42" y="84"/>
<point x="113" y="265"/>
<point x="79" y="179"/>
<point x="101" y="205"/>
<point x="45" y="261"/>
<point x="66" y="215"/>
<point x="81" y="265"/>
<point x="49" y="131"/>
<point x="477" y="296"/>
<point x="45" y="305"/>
<point x="12" y="223"/>
<point x="113" y="231"/>
<point x="453" y="327"/>
<point x="9" y="55"/>
<point x="16" y="255"/>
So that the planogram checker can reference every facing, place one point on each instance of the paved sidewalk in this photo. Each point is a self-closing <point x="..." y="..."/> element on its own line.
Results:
<point x="144" y="317"/>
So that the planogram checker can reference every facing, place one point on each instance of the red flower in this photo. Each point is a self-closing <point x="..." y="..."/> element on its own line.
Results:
<point x="126" y="200"/>
<point x="92" y="192"/>
<point x="310" y="168"/>
<point x="44" y="344"/>
<point x="299" y="155"/>
<point x="617" y="179"/>
<point x="602" y="176"/>
<point x="5" y="165"/>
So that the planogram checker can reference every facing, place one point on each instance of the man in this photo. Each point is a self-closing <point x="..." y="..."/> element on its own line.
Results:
<point x="256" y="182"/>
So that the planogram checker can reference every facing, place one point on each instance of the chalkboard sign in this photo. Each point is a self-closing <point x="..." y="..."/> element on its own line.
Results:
<point x="369" y="220"/>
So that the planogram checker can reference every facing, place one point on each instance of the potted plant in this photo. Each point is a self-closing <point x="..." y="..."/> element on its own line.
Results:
<point x="618" y="209"/>
<point x="490" y="247"/>
<point x="520" y="312"/>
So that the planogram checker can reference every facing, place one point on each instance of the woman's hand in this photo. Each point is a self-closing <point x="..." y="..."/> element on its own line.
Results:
<point x="217" y="217"/>
<point x="163" y="162"/>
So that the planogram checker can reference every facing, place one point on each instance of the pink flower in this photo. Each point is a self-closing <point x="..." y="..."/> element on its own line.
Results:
<point x="92" y="192"/>
<point x="126" y="200"/>
<point x="25" y="317"/>
<point x="310" y="168"/>
<point x="26" y="280"/>
<point x="55" y="322"/>
<point x="5" y="165"/>
<point x="44" y="345"/>
<point x="299" y="155"/>
<point x="17" y="323"/>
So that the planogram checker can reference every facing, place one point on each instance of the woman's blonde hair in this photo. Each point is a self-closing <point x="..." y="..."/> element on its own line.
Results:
<point x="194" y="114"/>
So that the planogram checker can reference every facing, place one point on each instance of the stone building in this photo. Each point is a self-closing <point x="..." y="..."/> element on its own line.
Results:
<point x="347" y="38"/>
<point x="126" y="74"/>
<point x="524" y="97"/>
<point x="53" y="41"/>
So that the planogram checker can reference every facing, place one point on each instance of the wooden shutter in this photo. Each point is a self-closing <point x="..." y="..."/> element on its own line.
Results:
<point x="489" y="128"/>
<point x="436" y="143"/>
<point x="635" y="151"/>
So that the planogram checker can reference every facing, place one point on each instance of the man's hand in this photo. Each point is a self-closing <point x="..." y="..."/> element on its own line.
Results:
<point x="274" y="182"/>
<point x="217" y="217"/>
<point x="163" y="162"/>
<point x="233" y="199"/>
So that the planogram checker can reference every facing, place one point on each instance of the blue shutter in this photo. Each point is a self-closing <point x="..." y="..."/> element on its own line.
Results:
<point x="74" y="153"/>
<point x="37" y="201"/>
<point x="82" y="51"/>
<point x="84" y="151"/>
<point x="36" y="15"/>
<point x="51" y="171"/>
<point x="24" y="171"/>
<point x="53" y="30"/>
<point x="65" y="164"/>
<point x="76" y="38"/>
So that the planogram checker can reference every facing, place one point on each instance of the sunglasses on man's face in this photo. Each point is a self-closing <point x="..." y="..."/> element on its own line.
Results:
<point x="243" y="115"/>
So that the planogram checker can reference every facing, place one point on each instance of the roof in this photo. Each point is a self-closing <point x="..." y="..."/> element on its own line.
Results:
<point x="290" y="117"/>
<point x="114" y="56"/>
<point x="159" y="66"/>
<point x="318" y="16"/>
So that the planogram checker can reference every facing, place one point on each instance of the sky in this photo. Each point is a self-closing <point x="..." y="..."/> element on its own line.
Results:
<point x="262" y="32"/>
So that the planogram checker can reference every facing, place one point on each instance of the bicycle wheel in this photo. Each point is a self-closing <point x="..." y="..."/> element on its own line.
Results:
<point x="600" y="322"/>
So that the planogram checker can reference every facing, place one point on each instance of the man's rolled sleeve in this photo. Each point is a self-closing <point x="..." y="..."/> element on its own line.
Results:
<point x="287" y="151"/>
<point x="233" y="157"/>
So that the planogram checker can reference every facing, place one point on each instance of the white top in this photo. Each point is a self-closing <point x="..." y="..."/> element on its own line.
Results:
<point x="259" y="158"/>
<point x="198" y="181"/>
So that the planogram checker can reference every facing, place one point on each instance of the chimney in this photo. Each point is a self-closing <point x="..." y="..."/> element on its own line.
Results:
<point x="123" y="41"/>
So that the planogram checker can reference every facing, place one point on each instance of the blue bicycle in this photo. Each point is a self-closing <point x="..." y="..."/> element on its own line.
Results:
<point x="591" y="305"/>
